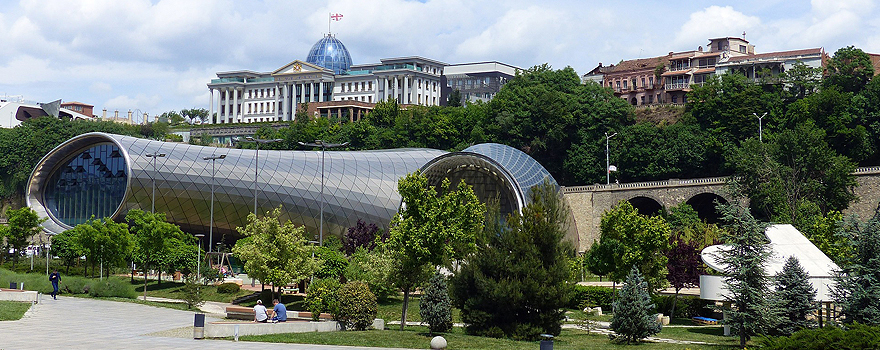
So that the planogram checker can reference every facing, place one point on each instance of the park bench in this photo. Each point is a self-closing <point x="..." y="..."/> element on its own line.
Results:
<point x="290" y="289"/>
<point x="704" y="321"/>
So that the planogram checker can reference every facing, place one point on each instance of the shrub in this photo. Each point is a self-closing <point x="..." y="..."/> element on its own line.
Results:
<point x="321" y="297"/>
<point x="228" y="288"/>
<point x="110" y="287"/>
<point x="267" y="295"/>
<point x="688" y="306"/>
<point x="333" y="263"/>
<point x="435" y="306"/>
<point x="374" y="269"/>
<point x="855" y="336"/>
<point x="592" y="296"/>
<point x="357" y="306"/>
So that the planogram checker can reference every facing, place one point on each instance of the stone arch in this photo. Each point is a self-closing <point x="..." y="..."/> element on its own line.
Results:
<point x="646" y="205"/>
<point x="704" y="204"/>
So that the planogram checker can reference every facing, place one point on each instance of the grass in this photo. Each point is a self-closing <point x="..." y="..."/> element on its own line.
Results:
<point x="13" y="310"/>
<point x="418" y="338"/>
<point x="174" y="290"/>
<point x="390" y="310"/>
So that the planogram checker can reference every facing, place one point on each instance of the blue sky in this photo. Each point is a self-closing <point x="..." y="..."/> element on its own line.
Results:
<point x="155" y="56"/>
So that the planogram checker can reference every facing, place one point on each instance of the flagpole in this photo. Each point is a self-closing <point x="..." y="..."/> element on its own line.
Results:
<point x="329" y="18"/>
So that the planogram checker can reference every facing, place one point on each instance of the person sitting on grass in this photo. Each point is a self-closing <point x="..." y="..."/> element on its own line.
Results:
<point x="279" y="311"/>
<point x="260" y="312"/>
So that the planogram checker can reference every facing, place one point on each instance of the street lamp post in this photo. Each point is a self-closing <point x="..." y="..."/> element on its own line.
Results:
<point x="324" y="146"/>
<point x="256" y="164"/>
<point x="199" y="257"/>
<point x="760" y="129"/>
<point x="607" y="159"/>
<point x="213" y="159"/>
<point x="154" y="155"/>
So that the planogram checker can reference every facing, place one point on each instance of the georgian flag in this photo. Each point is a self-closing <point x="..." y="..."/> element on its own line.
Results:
<point x="336" y="16"/>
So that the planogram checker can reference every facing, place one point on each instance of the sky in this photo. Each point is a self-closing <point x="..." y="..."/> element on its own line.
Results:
<point x="153" y="56"/>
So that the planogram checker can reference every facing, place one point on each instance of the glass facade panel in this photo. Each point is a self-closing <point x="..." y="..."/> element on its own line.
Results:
<point x="91" y="183"/>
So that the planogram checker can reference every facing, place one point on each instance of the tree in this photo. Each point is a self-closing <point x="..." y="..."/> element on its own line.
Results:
<point x="373" y="268"/>
<point x="555" y="119"/>
<point x="273" y="252"/>
<point x="796" y="167"/>
<point x="103" y="241"/>
<point x="638" y="240"/>
<point x="744" y="256"/>
<point x="433" y="228"/>
<point x="519" y="282"/>
<point x="634" y="318"/>
<point x="849" y="69"/>
<point x="684" y="266"/>
<point x="801" y="80"/>
<point x="857" y="291"/>
<point x="362" y="235"/>
<point x="194" y="114"/>
<point x="454" y="99"/>
<point x="66" y="247"/>
<point x="435" y="307"/>
<point x="795" y="297"/>
<point x="153" y="237"/>
<point x="22" y="224"/>
<point x="172" y="118"/>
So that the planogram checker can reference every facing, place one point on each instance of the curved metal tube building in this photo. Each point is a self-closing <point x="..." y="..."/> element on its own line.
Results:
<point x="106" y="175"/>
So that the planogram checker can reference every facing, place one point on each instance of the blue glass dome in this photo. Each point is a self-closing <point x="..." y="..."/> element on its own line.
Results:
<point x="330" y="53"/>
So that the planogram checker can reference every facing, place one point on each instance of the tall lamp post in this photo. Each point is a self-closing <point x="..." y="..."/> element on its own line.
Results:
<point x="760" y="129"/>
<point x="199" y="257"/>
<point x="258" y="142"/>
<point x="607" y="159"/>
<point x="213" y="159"/>
<point x="324" y="146"/>
<point x="154" y="155"/>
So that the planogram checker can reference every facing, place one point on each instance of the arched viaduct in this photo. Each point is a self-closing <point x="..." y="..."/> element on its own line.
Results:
<point x="588" y="203"/>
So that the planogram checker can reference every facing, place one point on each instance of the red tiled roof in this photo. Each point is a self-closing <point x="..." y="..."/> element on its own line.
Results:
<point x="779" y="54"/>
<point x="639" y="64"/>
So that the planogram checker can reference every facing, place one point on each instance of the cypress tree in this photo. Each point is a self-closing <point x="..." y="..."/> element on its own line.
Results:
<point x="435" y="306"/>
<point x="795" y="297"/>
<point x="518" y="284"/>
<point x="634" y="318"/>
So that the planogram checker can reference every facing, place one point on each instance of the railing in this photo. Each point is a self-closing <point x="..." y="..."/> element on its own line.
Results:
<point x="227" y="80"/>
<point x="677" y="86"/>
<point x="718" y="180"/>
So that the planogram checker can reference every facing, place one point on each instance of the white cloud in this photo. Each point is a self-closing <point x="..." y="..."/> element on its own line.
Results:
<point x="714" y="22"/>
<point x="158" y="55"/>
<point x="124" y="103"/>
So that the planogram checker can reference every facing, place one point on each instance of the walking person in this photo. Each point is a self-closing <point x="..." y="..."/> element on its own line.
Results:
<point x="55" y="278"/>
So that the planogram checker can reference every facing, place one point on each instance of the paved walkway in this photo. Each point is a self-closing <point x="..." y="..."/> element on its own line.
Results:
<point x="81" y="323"/>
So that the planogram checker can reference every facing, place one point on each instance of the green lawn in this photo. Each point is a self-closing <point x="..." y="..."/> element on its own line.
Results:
<point x="418" y="338"/>
<point x="174" y="290"/>
<point x="390" y="310"/>
<point x="12" y="310"/>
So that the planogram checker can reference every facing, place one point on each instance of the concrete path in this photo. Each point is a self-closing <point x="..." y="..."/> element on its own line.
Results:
<point x="81" y="323"/>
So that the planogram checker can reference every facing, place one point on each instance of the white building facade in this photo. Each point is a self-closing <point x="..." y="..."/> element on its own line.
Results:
<point x="253" y="97"/>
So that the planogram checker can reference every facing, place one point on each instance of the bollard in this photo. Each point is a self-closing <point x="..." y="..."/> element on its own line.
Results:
<point x="199" y="327"/>
<point x="20" y="285"/>
<point x="547" y="343"/>
<point x="236" y="332"/>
